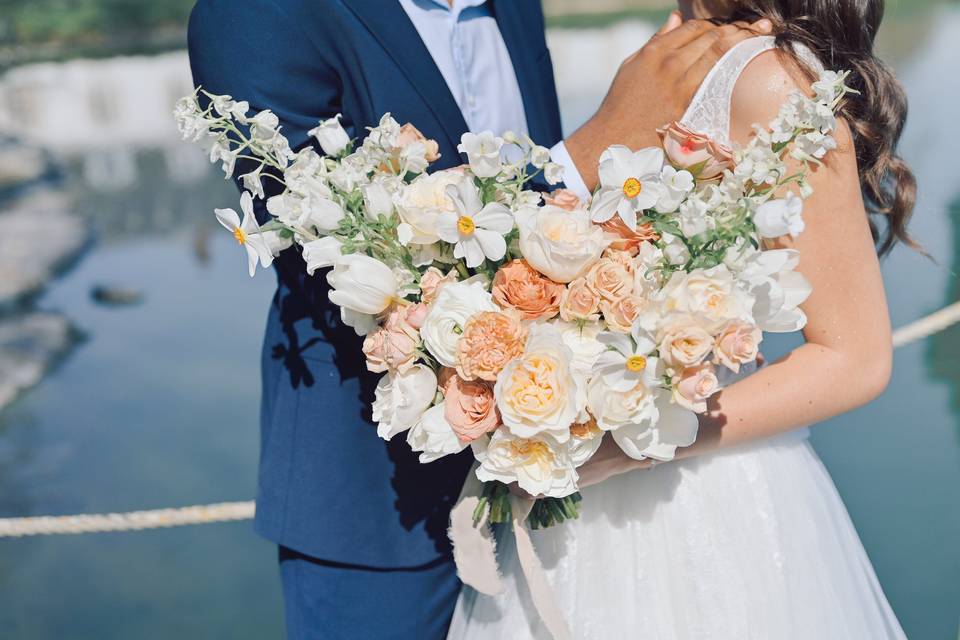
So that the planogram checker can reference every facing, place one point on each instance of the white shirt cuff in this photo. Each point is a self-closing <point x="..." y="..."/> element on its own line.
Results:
<point x="571" y="177"/>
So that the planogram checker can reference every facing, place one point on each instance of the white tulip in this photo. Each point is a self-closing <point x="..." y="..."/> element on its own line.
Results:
<point x="780" y="217"/>
<point x="675" y="427"/>
<point x="433" y="436"/>
<point x="483" y="153"/>
<point x="363" y="287"/>
<point x="331" y="135"/>
<point x="560" y="244"/>
<point x="246" y="232"/>
<point x="448" y="315"/>
<point x="401" y="398"/>
<point x="321" y="253"/>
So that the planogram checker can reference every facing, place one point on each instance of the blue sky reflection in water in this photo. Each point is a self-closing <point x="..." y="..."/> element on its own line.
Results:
<point x="157" y="407"/>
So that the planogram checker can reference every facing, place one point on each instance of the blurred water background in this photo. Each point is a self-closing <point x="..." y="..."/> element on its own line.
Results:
<point x="133" y="332"/>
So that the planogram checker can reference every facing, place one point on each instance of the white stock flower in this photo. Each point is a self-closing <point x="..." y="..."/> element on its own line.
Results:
<point x="483" y="152"/>
<point x="537" y="392"/>
<point x="433" y="437"/>
<point x="539" y="156"/>
<point x="362" y="287"/>
<point x="322" y="253"/>
<point x="331" y="135"/>
<point x="560" y="244"/>
<point x="674" y="427"/>
<point x="246" y="232"/>
<point x="220" y="151"/>
<point x="676" y="186"/>
<point x="539" y="465"/>
<point x="422" y="201"/>
<point x="401" y="398"/>
<point x="378" y="197"/>
<point x="476" y="230"/>
<point x="253" y="183"/>
<point x="813" y="145"/>
<point x="456" y="303"/>
<point x="779" y="217"/>
<point x="778" y="290"/>
<point x="553" y="173"/>
<point x="323" y="213"/>
<point x="629" y="184"/>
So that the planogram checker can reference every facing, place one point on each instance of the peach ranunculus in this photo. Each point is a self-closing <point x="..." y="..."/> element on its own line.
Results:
<point x="737" y="344"/>
<point x="469" y="407"/>
<point x="621" y="313"/>
<point x="610" y="279"/>
<point x="393" y="345"/>
<point x="432" y="281"/>
<point x="519" y="286"/>
<point x="684" y="343"/>
<point x="697" y="153"/>
<point x="409" y="134"/>
<point x="579" y="302"/>
<point x="490" y="340"/>
<point x="563" y="198"/>
<point x="694" y="386"/>
<point x="623" y="239"/>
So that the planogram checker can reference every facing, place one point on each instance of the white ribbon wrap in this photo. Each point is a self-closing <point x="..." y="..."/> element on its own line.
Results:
<point x="475" y="554"/>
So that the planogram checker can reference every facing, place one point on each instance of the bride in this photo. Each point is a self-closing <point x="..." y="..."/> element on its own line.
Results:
<point x="744" y="535"/>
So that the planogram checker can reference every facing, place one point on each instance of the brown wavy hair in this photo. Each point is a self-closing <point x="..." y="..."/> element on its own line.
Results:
<point x="841" y="33"/>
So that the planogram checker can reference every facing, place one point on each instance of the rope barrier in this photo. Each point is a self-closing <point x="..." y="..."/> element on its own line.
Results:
<point x="235" y="511"/>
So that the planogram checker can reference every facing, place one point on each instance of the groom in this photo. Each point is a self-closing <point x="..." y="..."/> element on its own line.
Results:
<point x="360" y="524"/>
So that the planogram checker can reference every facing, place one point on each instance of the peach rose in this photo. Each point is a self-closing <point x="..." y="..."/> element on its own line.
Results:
<point x="684" y="344"/>
<point x="519" y="286"/>
<point x="694" y="386"/>
<point x="626" y="240"/>
<point x="409" y="134"/>
<point x="432" y="281"/>
<point x="579" y="302"/>
<point x="470" y="408"/>
<point x="610" y="279"/>
<point x="696" y="153"/>
<point x="490" y="340"/>
<point x="393" y="345"/>
<point x="563" y="198"/>
<point x="621" y="313"/>
<point x="737" y="344"/>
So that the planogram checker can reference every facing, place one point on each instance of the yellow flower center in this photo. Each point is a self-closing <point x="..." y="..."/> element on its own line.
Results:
<point x="632" y="188"/>
<point x="636" y="364"/>
<point x="466" y="225"/>
<point x="535" y="449"/>
<point x="240" y="235"/>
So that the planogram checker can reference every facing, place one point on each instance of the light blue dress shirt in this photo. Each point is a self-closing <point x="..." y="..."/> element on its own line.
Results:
<point x="465" y="43"/>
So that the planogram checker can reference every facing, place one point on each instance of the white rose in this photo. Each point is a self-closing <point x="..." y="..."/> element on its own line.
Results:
<point x="362" y="287"/>
<point x="422" y="201"/>
<point x="614" y="409"/>
<point x="401" y="398"/>
<point x="560" y="244"/>
<point x="483" y="152"/>
<point x="539" y="465"/>
<point x="537" y="393"/>
<point x="433" y="436"/>
<point x="675" y="427"/>
<point x="775" y="218"/>
<point x="711" y="294"/>
<point x="448" y="315"/>
<point x="331" y="136"/>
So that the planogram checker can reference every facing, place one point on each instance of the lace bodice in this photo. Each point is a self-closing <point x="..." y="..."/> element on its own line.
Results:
<point x="709" y="111"/>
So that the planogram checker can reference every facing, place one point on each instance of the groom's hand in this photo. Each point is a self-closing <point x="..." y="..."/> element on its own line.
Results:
<point x="654" y="86"/>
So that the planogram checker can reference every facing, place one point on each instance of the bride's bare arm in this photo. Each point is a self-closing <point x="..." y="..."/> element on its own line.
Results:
<point x="846" y="359"/>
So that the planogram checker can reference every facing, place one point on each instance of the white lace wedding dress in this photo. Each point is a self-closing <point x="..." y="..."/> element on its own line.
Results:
<point x="752" y="543"/>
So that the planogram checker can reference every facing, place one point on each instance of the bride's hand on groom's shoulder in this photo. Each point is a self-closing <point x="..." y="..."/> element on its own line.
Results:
<point x="609" y="461"/>
<point x="654" y="86"/>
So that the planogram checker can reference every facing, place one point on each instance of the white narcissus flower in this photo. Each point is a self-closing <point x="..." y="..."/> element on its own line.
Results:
<point x="476" y="230"/>
<point x="483" y="152"/>
<point x="674" y="427"/>
<point x="627" y="362"/>
<point x="246" y="232"/>
<point x="321" y="253"/>
<point x="363" y="287"/>
<point x="433" y="436"/>
<point x="629" y="184"/>
<point x="401" y="398"/>
<point x="331" y="135"/>
<point x="537" y="392"/>
<point x="539" y="465"/>
<point x="777" y="288"/>
<point x="775" y="218"/>
<point x="560" y="244"/>
<point x="455" y="304"/>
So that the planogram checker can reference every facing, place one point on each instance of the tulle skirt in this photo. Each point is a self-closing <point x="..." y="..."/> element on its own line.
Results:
<point x="749" y="543"/>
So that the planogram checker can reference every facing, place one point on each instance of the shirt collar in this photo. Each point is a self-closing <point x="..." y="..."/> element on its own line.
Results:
<point x="457" y="8"/>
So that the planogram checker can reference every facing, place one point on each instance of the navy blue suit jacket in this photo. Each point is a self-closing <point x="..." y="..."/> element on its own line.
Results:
<point x="328" y="486"/>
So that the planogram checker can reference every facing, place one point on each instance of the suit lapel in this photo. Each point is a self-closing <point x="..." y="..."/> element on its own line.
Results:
<point x="392" y="28"/>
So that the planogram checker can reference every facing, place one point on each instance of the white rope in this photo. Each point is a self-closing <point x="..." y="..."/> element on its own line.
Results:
<point x="234" y="511"/>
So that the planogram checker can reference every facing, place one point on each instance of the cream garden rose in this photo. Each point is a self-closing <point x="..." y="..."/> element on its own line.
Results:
<point x="422" y="201"/>
<point x="560" y="244"/>
<point x="711" y="294"/>
<point x="539" y="464"/>
<point x="737" y="344"/>
<point x="683" y="342"/>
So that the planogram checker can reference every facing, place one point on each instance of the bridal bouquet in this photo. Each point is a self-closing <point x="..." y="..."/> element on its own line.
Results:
<point x="528" y="326"/>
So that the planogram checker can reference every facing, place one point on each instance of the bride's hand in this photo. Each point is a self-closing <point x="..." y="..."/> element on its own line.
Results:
<point x="654" y="86"/>
<point x="609" y="461"/>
